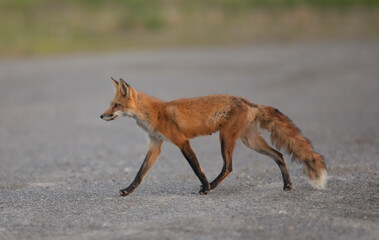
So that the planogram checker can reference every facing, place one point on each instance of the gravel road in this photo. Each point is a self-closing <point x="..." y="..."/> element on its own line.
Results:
<point x="62" y="166"/>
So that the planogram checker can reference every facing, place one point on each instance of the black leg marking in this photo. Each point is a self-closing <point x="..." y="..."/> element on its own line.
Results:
<point x="278" y="158"/>
<point x="150" y="159"/>
<point x="227" y="163"/>
<point x="194" y="163"/>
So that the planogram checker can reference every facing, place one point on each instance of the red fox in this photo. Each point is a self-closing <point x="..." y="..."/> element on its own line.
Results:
<point x="234" y="117"/>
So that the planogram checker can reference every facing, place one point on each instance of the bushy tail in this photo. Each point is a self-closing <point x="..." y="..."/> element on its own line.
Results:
<point x="284" y="134"/>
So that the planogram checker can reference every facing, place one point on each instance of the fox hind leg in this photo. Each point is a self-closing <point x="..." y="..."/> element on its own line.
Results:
<point x="229" y="134"/>
<point x="227" y="147"/>
<point x="252" y="139"/>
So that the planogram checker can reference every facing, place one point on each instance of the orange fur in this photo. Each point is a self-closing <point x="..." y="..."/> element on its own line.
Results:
<point x="235" y="117"/>
<point x="284" y="134"/>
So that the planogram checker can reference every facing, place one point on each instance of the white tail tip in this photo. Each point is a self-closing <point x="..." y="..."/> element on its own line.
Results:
<point x="320" y="183"/>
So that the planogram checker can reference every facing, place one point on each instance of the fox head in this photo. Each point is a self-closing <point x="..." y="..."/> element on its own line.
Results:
<point x="124" y="102"/>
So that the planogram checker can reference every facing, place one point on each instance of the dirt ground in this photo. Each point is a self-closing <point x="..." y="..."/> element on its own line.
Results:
<point x="62" y="166"/>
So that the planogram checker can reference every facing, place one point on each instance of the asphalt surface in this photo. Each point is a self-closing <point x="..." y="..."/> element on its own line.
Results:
<point x="62" y="166"/>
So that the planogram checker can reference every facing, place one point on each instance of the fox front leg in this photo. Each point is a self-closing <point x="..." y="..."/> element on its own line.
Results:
<point x="151" y="157"/>
<point x="192" y="160"/>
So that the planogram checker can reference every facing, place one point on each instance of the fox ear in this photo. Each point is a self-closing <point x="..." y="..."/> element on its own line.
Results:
<point x="115" y="84"/>
<point x="124" y="88"/>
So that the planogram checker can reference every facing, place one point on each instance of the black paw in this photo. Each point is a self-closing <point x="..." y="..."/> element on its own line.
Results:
<point x="287" y="187"/>
<point x="124" y="192"/>
<point x="205" y="190"/>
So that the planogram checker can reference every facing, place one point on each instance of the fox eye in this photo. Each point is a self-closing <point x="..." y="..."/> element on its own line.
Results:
<point x="116" y="105"/>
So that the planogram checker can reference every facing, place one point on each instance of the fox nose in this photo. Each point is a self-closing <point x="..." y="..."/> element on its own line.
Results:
<point x="102" y="116"/>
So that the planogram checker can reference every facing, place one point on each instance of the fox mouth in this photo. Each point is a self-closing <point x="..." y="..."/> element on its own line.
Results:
<point x="114" y="116"/>
<point x="108" y="118"/>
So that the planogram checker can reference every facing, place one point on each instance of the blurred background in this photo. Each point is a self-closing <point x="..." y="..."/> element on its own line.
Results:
<point x="45" y="27"/>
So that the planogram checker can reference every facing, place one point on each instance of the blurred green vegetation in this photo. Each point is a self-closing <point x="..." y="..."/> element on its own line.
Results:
<point x="35" y="27"/>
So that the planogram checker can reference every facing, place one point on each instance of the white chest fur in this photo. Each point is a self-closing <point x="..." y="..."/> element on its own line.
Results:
<point x="150" y="130"/>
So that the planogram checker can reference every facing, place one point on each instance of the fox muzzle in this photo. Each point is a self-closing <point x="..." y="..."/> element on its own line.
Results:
<point x="107" y="117"/>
